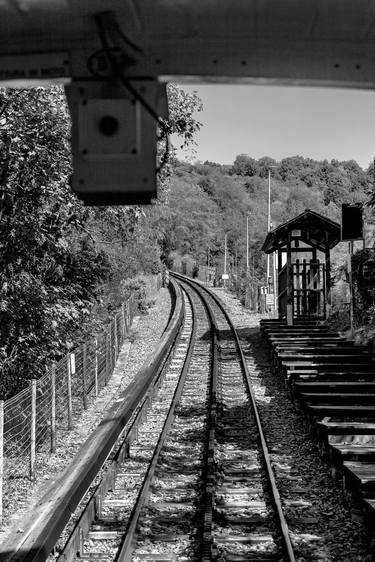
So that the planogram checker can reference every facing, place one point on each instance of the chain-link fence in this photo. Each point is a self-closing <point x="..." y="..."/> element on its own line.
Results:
<point x="30" y="420"/>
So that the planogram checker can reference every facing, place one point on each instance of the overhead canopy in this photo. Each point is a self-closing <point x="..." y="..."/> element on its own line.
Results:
<point x="310" y="227"/>
<point x="325" y="42"/>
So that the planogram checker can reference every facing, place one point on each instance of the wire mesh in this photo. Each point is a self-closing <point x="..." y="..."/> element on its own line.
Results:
<point x="17" y="424"/>
<point x="43" y="409"/>
<point x="90" y="366"/>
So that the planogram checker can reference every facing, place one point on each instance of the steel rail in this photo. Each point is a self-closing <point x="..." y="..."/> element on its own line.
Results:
<point x="127" y="547"/>
<point x="208" y="472"/>
<point x="288" y="547"/>
<point x="45" y="525"/>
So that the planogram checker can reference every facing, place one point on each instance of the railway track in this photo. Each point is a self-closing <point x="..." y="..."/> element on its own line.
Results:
<point x="243" y="512"/>
<point x="190" y="476"/>
<point x="178" y="494"/>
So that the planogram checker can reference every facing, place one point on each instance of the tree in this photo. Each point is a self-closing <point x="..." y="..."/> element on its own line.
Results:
<point x="245" y="166"/>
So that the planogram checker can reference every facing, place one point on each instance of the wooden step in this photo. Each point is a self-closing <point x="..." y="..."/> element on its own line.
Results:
<point x="326" y="429"/>
<point x="339" y="453"/>
<point x="271" y="322"/>
<point x="307" y="330"/>
<point x="364" y="373"/>
<point x="344" y="427"/>
<point x="359" y="476"/>
<point x="324" y="366"/>
<point x="341" y="411"/>
<point x="310" y="342"/>
<point x="318" y="344"/>
<point x="296" y="328"/>
<point x="328" y="355"/>
<point x="336" y="386"/>
<point x="341" y="398"/>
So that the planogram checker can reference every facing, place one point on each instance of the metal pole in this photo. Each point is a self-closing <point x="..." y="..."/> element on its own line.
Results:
<point x="225" y="259"/>
<point x="96" y="367"/>
<point x="247" y="243"/>
<point x="225" y="254"/>
<point x="53" y="408"/>
<point x="84" y="373"/>
<point x="33" y="430"/>
<point x="69" y="391"/>
<point x="268" y="221"/>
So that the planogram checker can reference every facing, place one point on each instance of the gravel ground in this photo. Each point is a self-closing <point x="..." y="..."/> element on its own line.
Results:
<point x="332" y="535"/>
<point x="20" y="495"/>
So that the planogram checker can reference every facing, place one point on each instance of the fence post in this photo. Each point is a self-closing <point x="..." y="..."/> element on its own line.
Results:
<point x="69" y="391"/>
<point x="123" y="321"/>
<point x="33" y="428"/>
<point x="1" y="458"/>
<point x="106" y="360"/>
<point x="84" y="371"/>
<point x="53" y="408"/>
<point x="96" y="367"/>
<point x="110" y="349"/>
<point x="116" y="338"/>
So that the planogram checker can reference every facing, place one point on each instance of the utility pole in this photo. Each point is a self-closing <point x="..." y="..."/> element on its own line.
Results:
<point x="225" y="276"/>
<point x="247" y="244"/>
<point x="269" y="219"/>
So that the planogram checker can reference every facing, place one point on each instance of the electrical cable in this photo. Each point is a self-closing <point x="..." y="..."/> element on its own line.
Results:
<point x="117" y="72"/>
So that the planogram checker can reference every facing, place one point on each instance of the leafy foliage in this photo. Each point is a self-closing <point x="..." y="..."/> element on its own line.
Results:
<point x="62" y="266"/>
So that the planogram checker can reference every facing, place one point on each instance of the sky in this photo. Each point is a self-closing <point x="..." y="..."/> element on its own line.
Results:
<point x="282" y="121"/>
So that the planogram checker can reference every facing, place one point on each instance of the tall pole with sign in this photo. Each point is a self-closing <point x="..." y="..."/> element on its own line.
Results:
<point x="351" y="229"/>
<point x="268" y="222"/>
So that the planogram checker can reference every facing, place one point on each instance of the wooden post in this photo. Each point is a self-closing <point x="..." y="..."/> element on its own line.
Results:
<point x="1" y="457"/>
<point x="84" y="373"/>
<point x="289" y="280"/>
<point x="123" y="321"/>
<point x="351" y="287"/>
<point x="69" y="391"/>
<point x="279" y="268"/>
<point x="96" y="368"/>
<point x="110" y="349"/>
<point x="116" y="339"/>
<point x="53" y="408"/>
<point x="298" y="288"/>
<point x="328" y="294"/>
<point x="106" y="360"/>
<point x="33" y="429"/>
<point x="304" y="288"/>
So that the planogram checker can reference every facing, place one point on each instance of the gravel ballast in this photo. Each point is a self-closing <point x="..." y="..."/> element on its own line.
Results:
<point x="333" y="533"/>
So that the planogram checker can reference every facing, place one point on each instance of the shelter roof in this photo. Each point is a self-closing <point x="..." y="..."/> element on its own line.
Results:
<point x="314" y="229"/>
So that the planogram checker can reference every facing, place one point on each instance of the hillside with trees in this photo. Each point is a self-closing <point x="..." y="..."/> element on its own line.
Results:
<point x="208" y="201"/>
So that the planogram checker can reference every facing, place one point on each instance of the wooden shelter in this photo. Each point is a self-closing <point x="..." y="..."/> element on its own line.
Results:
<point x="303" y="246"/>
